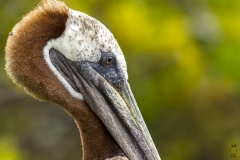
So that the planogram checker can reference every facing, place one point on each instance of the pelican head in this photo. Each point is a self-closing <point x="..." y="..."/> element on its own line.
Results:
<point x="57" y="54"/>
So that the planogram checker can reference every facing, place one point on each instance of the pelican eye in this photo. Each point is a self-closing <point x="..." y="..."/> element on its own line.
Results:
<point x="109" y="60"/>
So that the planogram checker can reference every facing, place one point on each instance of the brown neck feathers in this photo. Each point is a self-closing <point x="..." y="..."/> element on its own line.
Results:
<point x="25" y="63"/>
<point x="26" y="66"/>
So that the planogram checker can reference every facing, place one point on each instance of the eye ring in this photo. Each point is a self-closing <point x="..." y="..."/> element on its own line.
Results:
<point x="109" y="60"/>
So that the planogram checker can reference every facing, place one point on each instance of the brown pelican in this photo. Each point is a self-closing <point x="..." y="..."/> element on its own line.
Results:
<point x="57" y="54"/>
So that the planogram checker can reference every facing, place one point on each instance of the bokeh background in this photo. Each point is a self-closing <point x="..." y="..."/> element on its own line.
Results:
<point x="183" y="61"/>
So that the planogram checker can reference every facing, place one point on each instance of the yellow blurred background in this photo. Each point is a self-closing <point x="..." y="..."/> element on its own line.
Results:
<point x="183" y="62"/>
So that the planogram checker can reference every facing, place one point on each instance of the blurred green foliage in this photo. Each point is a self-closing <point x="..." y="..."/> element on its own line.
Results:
<point x="8" y="149"/>
<point x="183" y="63"/>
